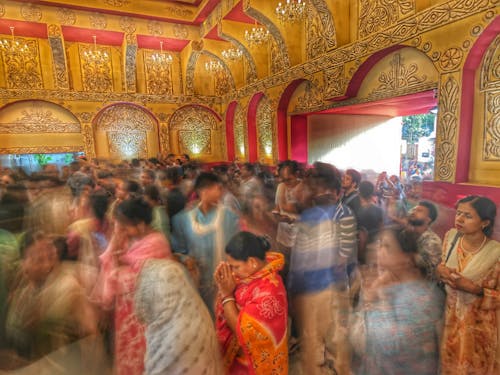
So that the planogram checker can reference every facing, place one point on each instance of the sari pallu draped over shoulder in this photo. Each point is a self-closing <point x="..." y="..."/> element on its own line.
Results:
<point x="260" y="344"/>
<point x="471" y="337"/>
<point x="117" y="284"/>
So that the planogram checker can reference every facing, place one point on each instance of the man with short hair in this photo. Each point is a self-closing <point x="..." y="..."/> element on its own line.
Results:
<point x="204" y="231"/>
<point x="419" y="220"/>
<point x="147" y="177"/>
<point x="350" y="195"/>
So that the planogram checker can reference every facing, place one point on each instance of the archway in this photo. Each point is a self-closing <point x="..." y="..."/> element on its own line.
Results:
<point x="125" y="131"/>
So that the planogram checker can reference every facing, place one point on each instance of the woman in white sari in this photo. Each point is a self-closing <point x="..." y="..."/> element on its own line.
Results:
<point x="471" y="271"/>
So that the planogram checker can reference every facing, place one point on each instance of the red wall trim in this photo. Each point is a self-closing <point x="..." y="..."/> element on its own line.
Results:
<point x="231" y="109"/>
<point x="252" y="127"/>
<point x="471" y="65"/>
<point x="299" y="141"/>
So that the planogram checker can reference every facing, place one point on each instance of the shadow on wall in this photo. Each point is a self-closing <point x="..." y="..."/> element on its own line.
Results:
<point x="445" y="195"/>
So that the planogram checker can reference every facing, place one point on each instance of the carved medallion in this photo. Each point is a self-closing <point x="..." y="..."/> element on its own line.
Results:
<point x="31" y="12"/>
<point x="180" y="31"/>
<point x="66" y="16"/>
<point x="98" y="21"/>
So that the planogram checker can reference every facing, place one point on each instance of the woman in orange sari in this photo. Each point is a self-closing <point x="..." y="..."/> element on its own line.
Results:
<point x="471" y="271"/>
<point x="252" y="308"/>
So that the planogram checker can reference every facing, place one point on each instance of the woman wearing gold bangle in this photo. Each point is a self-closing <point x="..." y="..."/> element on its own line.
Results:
<point x="252" y="311"/>
<point x="471" y="273"/>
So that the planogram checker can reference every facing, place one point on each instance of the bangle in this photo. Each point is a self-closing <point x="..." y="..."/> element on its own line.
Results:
<point x="228" y="299"/>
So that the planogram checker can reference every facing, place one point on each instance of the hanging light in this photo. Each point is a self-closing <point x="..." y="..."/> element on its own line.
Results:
<point x="12" y="45"/>
<point x="291" y="11"/>
<point x="213" y="66"/>
<point x="161" y="57"/>
<point x="95" y="54"/>
<point x="232" y="54"/>
<point x="257" y="35"/>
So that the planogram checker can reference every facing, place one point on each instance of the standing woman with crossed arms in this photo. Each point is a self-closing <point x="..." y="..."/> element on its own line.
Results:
<point x="471" y="271"/>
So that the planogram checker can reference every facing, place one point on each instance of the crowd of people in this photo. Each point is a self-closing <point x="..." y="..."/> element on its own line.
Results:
<point x="168" y="266"/>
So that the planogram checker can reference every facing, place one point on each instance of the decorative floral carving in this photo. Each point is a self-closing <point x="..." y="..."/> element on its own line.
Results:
<point x="158" y="76"/>
<point x="130" y="66"/>
<point x="377" y="14"/>
<point x="88" y="140"/>
<point x="490" y="70"/>
<point x="127" y="24"/>
<point x="180" y="31"/>
<point x="320" y="35"/>
<point x="155" y="27"/>
<point x="180" y="12"/>
<point x="164" y="136"/>
<point x="54" y="31"/>
<point x="59" y="58"/>
<point x="399" y="77"/>
<point x="130" y="144"/>
<point x="194" y="119"/>
<point x="451" y="59"/>
<point x="240" y="133"/>
<point x="447" y="131"/>
<point x="310" y="100"/>
<point x="41" y="150"/>
<point x="197" y="45"/>
<point x="66" y="16"/>
<point x="31" y="12"/>
<point x="2" y="10"/>
<point x="96" y="74"/>
<point x="98" y="21"/>
<point x="265" y="127"/>
<point x="191" y="65"/>
<point x="222" y="83"/>
<point x="85" y="117"/>
<point x="491" y="149"/>
<point x="117" y="3"/>
<point x="335" y="82"/>
<point x="22" y="70"/>
<point x="38" y="120"/>
<point x="195" y="141"/>
<point x="125" y="118"/>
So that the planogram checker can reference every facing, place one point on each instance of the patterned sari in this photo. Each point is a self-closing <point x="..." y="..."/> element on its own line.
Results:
<point x="471" y="340"/>
<point x="260" y="344"/>
<point x="118" y="284"/>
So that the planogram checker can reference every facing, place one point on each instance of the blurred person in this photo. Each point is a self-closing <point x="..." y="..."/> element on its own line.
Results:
<point x="252" y="308"/>
<point x="228" y="199"/>
<point x="399" y="311"/>
<point x="13" y="206"/>
<point x="250" y="185"/>
<point x="350" y="193"/>
<point x="160" y="221"/>
<point x="147" y="177"/>
<point x="322" y="267"/>
<point x="419" y="221"/>
<point x="125" y="189"/>
<point x="132" y="243"/>
<point x="171" y="194"/>
<point x="470" y="270"/>
<point x="204" y="230"/>
<point x="370" y="219"/>
<point x="49" y="309"/>
<point x="178" y="324"/>
<point x="105" y="181"/>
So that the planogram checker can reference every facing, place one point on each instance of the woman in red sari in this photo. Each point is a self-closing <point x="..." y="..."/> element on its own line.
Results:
<point x="133" y="242"/>
<point x="252" y="308"/>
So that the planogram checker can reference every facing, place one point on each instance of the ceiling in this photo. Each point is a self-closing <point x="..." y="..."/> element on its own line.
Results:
<point x="169" y="13"/>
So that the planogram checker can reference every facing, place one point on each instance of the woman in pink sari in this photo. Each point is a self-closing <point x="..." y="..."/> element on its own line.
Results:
<point x="133" y="242"/>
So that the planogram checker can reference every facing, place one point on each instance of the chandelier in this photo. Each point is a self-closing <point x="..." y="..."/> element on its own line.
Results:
<point x="213" y="66"/>
<point x="232" y="54"/>
<point x="161" y="57"/>
<point x="96" y="55"/>
<point x="292" y="11"/>
<point x="257" y="36"/>
<point x="12" y="45"/>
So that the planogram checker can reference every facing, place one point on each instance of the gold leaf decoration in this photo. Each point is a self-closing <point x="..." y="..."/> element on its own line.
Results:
<point x="22" y="69"/>
<point x="96" y="74"/>
<point x="195" y="141"/>
<point x="31" y="12"/>
<point x="130" y="144"/>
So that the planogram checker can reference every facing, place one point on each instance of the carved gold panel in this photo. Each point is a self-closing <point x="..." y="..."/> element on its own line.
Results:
<point x="22" y="68"/>
<point x="240" y="133"/>
<point x="195" y="141"/>
<point x="125" y="117"/>
<point x="375" y="15"/>
<point x="97" y="74"/>
<point x="491" y="148"/>
<point x="130" y="144"/>
<point x="158" y="75"/>
<point x="265" y="128"/>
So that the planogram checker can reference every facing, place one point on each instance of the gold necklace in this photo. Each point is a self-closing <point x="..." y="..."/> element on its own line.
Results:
<point x="475" y="250"/>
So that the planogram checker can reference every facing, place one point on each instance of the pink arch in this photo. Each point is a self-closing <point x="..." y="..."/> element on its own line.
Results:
<point x="231" y="109"/>
<point x="252" y="126"/>
<point x="282" y="121"/>
<point x="471" y="65"/>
